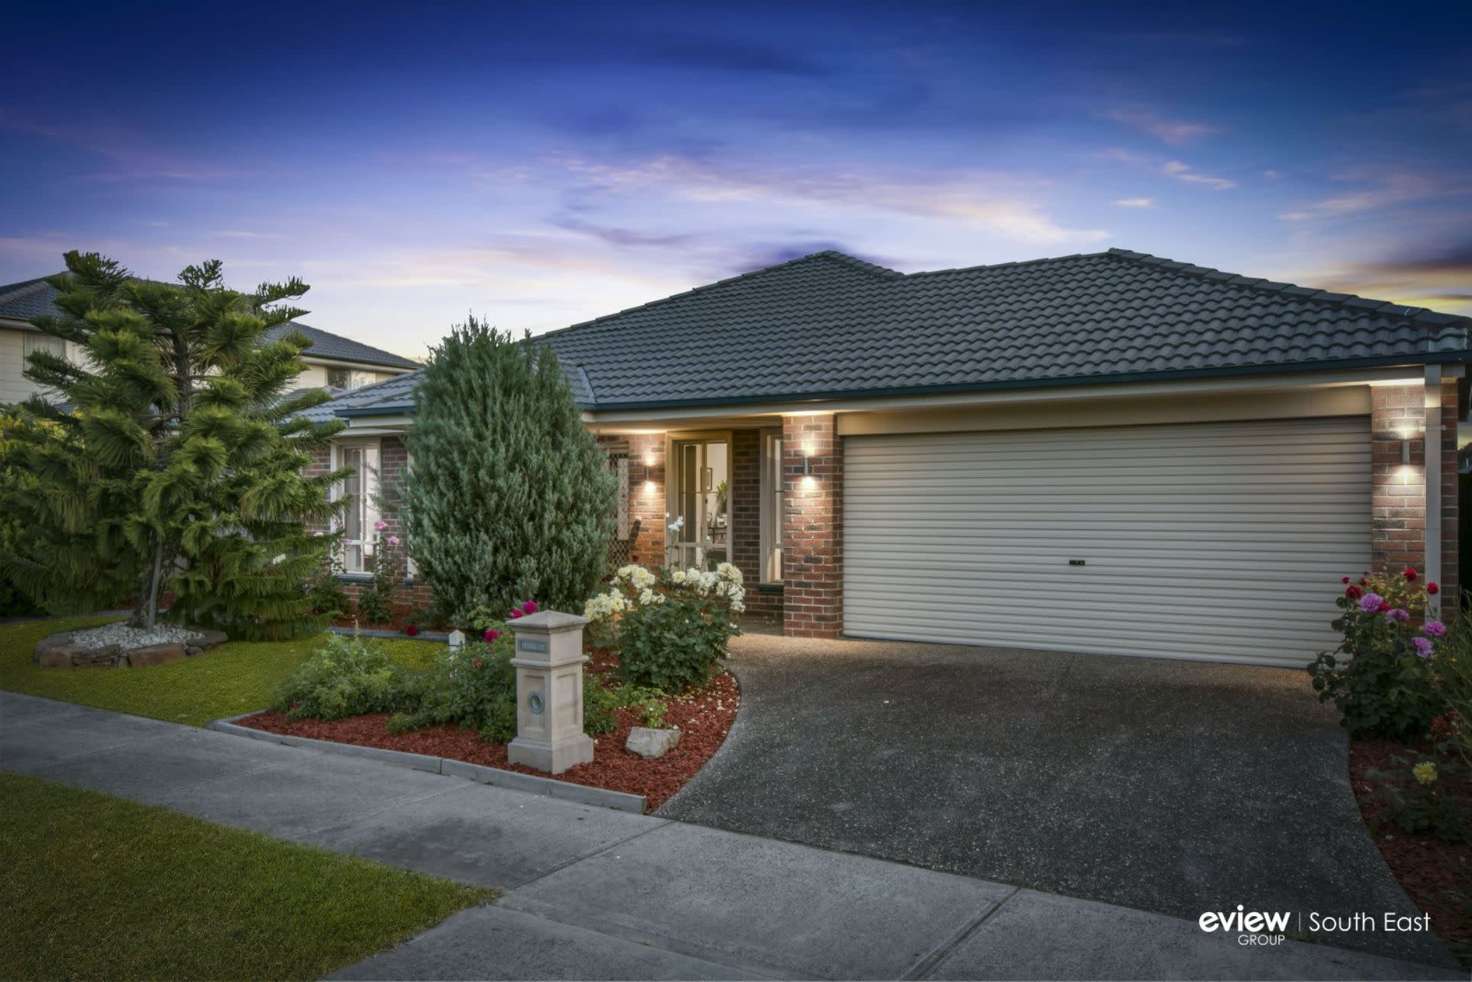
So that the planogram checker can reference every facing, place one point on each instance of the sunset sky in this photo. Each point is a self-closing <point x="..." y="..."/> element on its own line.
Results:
<point x="540" y="164"/>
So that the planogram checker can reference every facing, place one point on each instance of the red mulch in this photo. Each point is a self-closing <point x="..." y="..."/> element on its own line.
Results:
<point x="1436" y="874"/>
<point x="704" y="717"/>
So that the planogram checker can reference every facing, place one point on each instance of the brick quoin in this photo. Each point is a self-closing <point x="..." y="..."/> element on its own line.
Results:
<point x="812" y="523"/>
<point x="1398" y="492"/>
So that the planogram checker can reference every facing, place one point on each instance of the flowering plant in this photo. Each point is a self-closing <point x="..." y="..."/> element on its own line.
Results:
<point x="1380" y="677"/>
<point x="671" y="626"/>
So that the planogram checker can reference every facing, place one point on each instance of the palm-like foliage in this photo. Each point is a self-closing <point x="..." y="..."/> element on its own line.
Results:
<point x="173" y="463"/>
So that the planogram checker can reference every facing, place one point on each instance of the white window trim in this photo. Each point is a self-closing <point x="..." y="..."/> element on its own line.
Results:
<point x="372" y="449"/>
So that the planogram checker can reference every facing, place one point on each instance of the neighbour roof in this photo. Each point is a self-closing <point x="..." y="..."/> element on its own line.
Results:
<point x="30" y="299"/>
<point x="392" y="397"/>
<point x="829" y="325"/>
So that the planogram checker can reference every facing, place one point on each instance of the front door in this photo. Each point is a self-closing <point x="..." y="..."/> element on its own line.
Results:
<point x="701" y="532"/>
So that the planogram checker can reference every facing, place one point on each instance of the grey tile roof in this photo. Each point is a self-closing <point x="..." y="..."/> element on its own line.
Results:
<point x="29" y="299"/>
<point x="334" y="347"/>
<point x="829" y="325"/>
<point x="388" y="398"/>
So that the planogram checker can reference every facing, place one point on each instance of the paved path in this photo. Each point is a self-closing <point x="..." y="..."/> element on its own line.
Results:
<point x="1169" y="786"/>
<point x="598" y="894"/>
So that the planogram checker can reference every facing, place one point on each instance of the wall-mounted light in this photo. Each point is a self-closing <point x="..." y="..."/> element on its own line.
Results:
<point x="1405" y="450"/>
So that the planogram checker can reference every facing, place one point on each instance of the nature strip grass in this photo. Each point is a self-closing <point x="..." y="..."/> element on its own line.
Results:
<point x="100" y="887"/>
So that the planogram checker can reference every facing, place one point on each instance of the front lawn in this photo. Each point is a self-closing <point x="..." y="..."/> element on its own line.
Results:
<point x="99" y="887"/>
<point x="234" y="678"/>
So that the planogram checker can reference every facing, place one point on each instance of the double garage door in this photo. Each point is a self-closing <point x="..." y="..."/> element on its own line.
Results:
<point x="1215" y="541"/>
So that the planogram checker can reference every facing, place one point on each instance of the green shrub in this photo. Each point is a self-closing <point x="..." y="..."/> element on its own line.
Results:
<point x="346" y="677"/>
<point x="1380" y="677"/>
<point x="1419" y="806"/>
<point x="1453" y="666"/>
<point x="671" y="628"/>
<point x="325" y="594"/>
<point x="474" y="687"/>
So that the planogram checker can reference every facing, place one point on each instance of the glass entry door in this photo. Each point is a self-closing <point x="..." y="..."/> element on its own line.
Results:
<point x="702" y="503"/>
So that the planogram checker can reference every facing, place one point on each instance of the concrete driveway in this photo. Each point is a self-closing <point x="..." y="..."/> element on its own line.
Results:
<point x="1174" y="787"/>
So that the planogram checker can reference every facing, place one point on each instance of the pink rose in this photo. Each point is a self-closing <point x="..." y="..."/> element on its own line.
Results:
<point x="1398" y="615"/>
<point x="530" y="607"/>
<point x="1432" y="588"/>
<point x="393" y="540"/>
<point x="490" y="636"/>
<point x="1423" y="646"/>
<point x="515" y="613"/>
<point x="380" y="525"/>
<point x="1434" y="629"/>
<point x="1371" y="602"/>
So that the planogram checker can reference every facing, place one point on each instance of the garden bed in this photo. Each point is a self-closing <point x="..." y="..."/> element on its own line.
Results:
<point x="703" y="715"/>
<point x="1436" y="874"/>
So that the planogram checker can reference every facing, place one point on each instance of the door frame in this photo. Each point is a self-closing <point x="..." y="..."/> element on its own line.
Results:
<point x="672" y="479"/>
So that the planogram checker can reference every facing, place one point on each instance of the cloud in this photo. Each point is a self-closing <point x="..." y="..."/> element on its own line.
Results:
<point x="1184" y="172"/>
<point x="1173" y="131"/>
<point x="1135" y="202"/>
<point x="1422" y="276"/>
<point x="614" y="235"/>
<point x="1387" y="190"/>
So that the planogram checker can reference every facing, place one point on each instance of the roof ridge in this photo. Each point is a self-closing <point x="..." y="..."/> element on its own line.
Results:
<point x="1014" y="262"/>
<point x="833" y="254"/>
<point x="11" y="289"/>
<point x="1419" y="315"/>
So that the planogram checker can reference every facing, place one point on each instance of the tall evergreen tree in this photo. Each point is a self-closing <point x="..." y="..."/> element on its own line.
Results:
<point x="173" y="463"/>
<point x="508" y="495"/>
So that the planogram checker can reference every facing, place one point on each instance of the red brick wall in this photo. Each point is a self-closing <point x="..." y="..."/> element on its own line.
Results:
<point x="746" y="517"/>
<point x="646" y="497"/>
<point x="812" y="558"/>
<point x="1398" y="491"/>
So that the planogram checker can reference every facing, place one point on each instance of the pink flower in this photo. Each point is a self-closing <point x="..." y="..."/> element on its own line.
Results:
<point x="393" y="540"/>
<point x="1384" y="607"/>
<point x="1423" y="646"/>
<point x="1343" y="579"/>
<point x="530" y="607"/>
<point x="1397" y="614"/>
<point x="515" y="613"/>
<point x="380" y="525"/>
<point x="1371" y="602"/>
<point x="1432" y="588"/>
<point x="411" y="629"/>
<point x="1410" y="574"/>
<point x="490" y="636"/>
<point x="1434" y="628"/>
<point x="1353" y="592"/>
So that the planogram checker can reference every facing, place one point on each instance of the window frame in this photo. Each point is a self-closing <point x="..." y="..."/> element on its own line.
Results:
<point x="770" y="507"/>
<point x="366" y="504"/>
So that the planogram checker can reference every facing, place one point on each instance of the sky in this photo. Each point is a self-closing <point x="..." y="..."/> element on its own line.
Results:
<point x="540" y="164"/>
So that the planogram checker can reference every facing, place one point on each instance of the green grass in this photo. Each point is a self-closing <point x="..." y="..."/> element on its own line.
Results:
<point x="234" y="678"/>
<point x="98" y="887"/>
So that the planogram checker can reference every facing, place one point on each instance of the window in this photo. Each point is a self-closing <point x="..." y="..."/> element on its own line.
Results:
<point x="771" y="507"/>
<point x="359" y="494"/>
<point x="339" y="378"/>
<point x="44" y="342"/>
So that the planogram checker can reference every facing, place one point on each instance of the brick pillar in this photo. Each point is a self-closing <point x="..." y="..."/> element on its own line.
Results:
<point x="1450" y="579"/>
<point x="812" y="524"/>
<point x="1398" y="490"/>
<point x="646" y="497"/>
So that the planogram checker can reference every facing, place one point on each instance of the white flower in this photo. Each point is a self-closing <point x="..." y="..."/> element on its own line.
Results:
<point x="678" y="576"/>
<point x="677" y="524"/>
<point x="646" y="597"/>
<point x="729" y="571"/>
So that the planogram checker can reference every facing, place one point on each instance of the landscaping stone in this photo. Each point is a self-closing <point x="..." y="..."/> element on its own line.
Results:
<point x="120" y="646"/>
<point x="156" y="654"/>
<point x="650" y="743"/>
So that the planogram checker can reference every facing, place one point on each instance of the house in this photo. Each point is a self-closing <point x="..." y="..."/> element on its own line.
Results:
<point x="1111" y="452"/>
<point x="333" y="361"/>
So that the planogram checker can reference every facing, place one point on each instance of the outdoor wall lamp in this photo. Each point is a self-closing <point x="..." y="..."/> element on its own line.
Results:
<point x="1405" y="450"/>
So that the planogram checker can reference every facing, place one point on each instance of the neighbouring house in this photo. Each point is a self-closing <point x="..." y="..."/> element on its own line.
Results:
<point x="1110" y="453"/>
<point x="333" y="361"/>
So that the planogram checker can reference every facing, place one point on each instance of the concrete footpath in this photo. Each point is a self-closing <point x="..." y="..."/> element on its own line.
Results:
<point x="592" y="893"/>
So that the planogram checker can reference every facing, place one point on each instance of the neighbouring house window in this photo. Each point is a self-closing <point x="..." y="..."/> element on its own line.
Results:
<point x="359" y="493"/>
<point x="339" y="378"/>
<point x="771" y="507"/>
<point x="44" y="342"/>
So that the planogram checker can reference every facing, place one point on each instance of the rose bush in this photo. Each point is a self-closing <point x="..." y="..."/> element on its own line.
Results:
<point x="671" y="627"/>
<point x="1381" y="677"/>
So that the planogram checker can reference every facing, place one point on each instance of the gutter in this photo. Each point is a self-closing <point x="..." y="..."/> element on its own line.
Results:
<point x="1405" y="361"/>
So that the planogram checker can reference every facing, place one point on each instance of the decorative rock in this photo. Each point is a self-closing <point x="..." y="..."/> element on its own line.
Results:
<point x="190" y="651"/>
<point x="157" y="654"/>
<point x="650" y="743"/>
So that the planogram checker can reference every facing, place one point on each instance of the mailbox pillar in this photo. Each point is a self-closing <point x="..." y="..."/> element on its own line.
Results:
<point x="549" y="692"/>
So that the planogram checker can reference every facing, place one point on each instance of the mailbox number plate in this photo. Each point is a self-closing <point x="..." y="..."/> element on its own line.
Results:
<point x="531" y="644"/>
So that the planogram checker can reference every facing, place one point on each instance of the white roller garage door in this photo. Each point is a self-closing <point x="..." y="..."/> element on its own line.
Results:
<point x="1218" y="541"/>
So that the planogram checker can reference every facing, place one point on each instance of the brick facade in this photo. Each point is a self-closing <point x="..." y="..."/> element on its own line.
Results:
<point x="812" y="524"/>
<point x="1398" y="490"/>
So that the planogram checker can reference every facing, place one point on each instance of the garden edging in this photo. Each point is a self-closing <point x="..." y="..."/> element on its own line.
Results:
<point x="549" y="787"/>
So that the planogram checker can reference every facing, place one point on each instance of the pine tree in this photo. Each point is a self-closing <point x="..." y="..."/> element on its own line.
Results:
<point x="172" y="463"/>
<point x="508" y="496"/>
